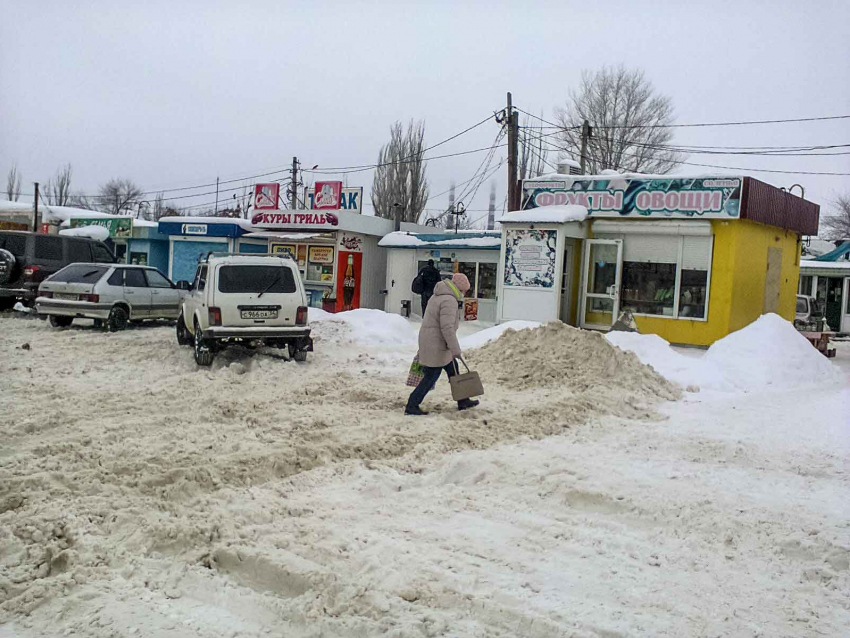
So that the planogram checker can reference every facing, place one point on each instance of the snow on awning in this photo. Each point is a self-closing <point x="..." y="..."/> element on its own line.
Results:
<point x="289" y="236"/>
<point x="480" y="240"/>
<point x="244" y="224"/>
<point x="546" y="215"/>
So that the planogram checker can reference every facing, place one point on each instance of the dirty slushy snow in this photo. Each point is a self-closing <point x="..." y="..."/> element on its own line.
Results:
<point x="140" y="495"/>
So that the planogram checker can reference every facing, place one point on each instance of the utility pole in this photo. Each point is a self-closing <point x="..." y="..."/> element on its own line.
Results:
<point x="491" y="211"/>
<point x="293" y="190"/>
<point x="457" y="211"/>
<point x="35" y="227"/>
<point x="512" y="120"/>
<point x="216" y="196"/>
<point x="586" y="133"/>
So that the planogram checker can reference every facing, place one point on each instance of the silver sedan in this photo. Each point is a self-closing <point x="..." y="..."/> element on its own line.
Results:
<point x="113" y="294"/>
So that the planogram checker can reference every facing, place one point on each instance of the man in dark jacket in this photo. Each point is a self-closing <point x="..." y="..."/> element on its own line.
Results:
<point x="430" y="278"/>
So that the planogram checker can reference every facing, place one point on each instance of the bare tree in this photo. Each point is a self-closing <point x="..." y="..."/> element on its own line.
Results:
<point x="82" y="201"/>
<point x="532" y="152"/>
<point x="57" y="191"/>
<point x="244" y="200"/>
<point x="628" y="119"/>
<point x="158" y="209"/>
<point x="837" y="225"/>
<point x="118" y="196"/>
<point x="400" y="183"/>
<point x="13" y="184"/>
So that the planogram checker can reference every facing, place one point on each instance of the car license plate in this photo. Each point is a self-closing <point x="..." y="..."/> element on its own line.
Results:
<point x="259" y="314"/>
<point x="62" y="295"/>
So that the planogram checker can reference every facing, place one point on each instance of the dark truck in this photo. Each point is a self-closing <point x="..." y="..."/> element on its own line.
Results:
<point x="27" y="259"/>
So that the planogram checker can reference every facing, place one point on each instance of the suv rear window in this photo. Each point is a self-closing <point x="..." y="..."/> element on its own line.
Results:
<point x="48" y="248"/>
<point x="79" y="251"/>
<point x="255" y="279"/>
<point x="15" y="244"/>
<point x="79" y="274"/>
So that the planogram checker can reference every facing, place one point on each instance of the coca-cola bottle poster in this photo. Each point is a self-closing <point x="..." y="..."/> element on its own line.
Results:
<point x="349" y="266"/>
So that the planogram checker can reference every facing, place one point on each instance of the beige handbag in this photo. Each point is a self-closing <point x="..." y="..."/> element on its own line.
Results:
<point x="466" y="386"/>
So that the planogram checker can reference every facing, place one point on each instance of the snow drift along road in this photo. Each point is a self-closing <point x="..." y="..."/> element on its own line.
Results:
<point x="767" y="354"/>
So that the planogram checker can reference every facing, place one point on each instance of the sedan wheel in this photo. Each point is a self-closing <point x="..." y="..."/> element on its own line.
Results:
<point x="117" y="319"/>
<point x="60" y="322"/>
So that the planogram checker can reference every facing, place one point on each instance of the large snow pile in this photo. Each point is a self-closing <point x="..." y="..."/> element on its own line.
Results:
<point x="491" y="334"/>
<point x="769" y="353"/>
<point x="689" y="372"/>
<point x="365" y="326"/>
<point x="557" y="355"/>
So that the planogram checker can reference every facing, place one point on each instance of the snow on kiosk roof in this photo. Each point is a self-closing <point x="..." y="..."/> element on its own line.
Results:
<point x="477" y="240"/>
<point x="547" y="215"/>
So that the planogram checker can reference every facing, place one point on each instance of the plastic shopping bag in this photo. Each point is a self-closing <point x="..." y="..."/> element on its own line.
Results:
<point x="416" y="373"/>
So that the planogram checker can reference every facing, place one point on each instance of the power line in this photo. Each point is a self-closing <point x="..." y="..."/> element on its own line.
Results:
<point x="699" y="124"/>
<point x="775" y="151"/>
<point x="416" y="156"/>
<point x="360" y="169"/>
<point x="734" y="168"/>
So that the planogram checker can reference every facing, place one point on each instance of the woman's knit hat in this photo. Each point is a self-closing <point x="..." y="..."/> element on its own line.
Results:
<point x="460" y="280"/>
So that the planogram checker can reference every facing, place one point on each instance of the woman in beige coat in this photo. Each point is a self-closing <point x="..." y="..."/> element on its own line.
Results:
<point x="438" y="345"/>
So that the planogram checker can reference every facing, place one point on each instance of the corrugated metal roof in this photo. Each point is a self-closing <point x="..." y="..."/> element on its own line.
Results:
<point x="767" y="204"/>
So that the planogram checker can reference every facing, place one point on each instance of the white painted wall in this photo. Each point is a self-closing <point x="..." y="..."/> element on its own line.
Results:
<point x="534" y="304"/>
<point x="400" y="272"/>
<point x="373" y="272"/>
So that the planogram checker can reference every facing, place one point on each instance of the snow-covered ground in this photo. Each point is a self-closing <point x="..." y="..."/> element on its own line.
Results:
<point x="141" y="496"/>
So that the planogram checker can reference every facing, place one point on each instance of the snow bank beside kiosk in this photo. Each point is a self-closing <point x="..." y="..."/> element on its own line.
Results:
<point x="767" y="354"/>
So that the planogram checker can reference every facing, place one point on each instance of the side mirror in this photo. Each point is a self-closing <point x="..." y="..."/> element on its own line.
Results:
<point x="184" y="285"/>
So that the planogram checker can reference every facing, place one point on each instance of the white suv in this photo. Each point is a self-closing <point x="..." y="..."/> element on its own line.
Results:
<point x="244" y="299"/>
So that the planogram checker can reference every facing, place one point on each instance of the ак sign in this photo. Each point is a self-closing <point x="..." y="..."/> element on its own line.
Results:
<point x="350" y="198"/>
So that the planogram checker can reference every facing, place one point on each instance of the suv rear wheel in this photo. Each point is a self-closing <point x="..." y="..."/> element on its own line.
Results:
<point x="7" y="266"/>
<point x="204" y="354"/>
<point x="296" y="354"/>
<point x="60" y="322"/>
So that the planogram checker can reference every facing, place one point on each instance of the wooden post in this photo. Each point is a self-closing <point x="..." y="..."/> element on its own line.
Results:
<point x="585" y="134"/>
<point x="512" y="155"/>
<point x="35" y="227"/>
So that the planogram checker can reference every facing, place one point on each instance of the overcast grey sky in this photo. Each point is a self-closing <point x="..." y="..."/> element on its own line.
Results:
<point x="174" y="94"/>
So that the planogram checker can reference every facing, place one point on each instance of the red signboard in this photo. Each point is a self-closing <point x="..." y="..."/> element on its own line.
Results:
<point x="328" y="195"/>
<point x="348" y="280"/>
<point x="296" y="218"/>
<point x="266" y="196"/>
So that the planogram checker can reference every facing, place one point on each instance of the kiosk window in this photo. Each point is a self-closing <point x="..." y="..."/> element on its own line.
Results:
<point x="486" y="281"/>
<point x="469" y="268"/>
<point x="666" y="275"/>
